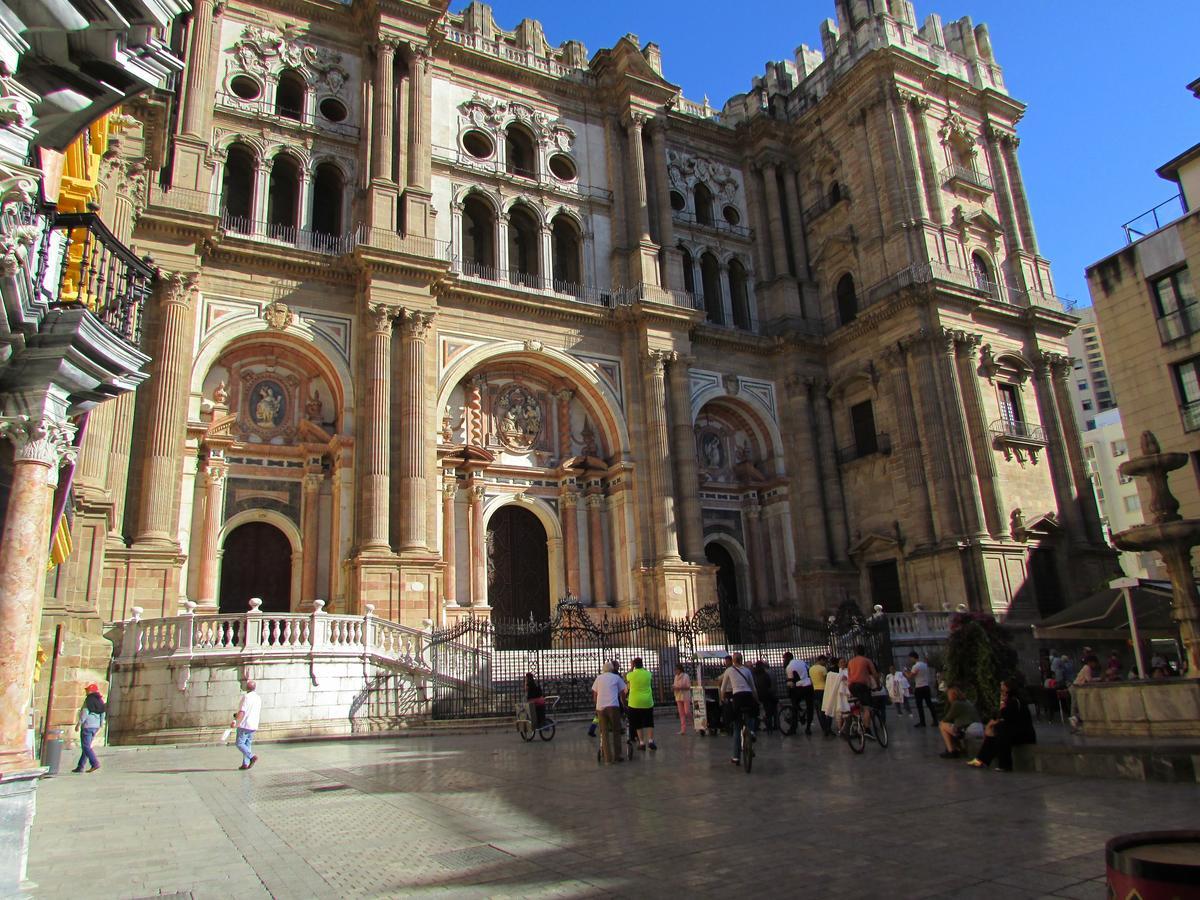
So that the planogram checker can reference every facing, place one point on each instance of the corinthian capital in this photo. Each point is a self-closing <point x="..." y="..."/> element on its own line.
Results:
<point x="380" y="317"/>
<point x="180" y="287"/>
<point x="41" y="440"/>
<point x="658" y="360"/>
<point x="414" y="323"/>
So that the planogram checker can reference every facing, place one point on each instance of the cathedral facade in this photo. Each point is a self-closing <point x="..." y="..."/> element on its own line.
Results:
<point x="453" y="322"/>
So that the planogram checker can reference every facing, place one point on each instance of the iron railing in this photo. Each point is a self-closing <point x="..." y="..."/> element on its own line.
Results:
<point x="1153" y="219"/>
<point x="825" y="203"/>
<point x="1024" y="431"/>
<point x="1179" y="324"/>
<point x="259" y="107"/>
<point x="685" y="217"/>
<point x="282" y="233"/>
<point x="967" y="175"/>
<point x="96" y="271"/>
<point x="186" y="199"/>
<point x="566" y="654"/>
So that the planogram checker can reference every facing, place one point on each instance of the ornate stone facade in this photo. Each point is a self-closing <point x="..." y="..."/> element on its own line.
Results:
<point x="463" y="296"/>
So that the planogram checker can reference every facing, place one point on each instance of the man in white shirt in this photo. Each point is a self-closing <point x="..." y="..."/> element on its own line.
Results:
<point x="922" y="681"/>
<point x="800" y="689"/>
<point x="737" y="683"/>
<point x="608" y="688"/>
<point x="245" y="720"/>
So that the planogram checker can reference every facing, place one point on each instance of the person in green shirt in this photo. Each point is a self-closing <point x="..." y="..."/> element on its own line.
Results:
<point x="960" y="715"/>
<point x="641" y="705"/>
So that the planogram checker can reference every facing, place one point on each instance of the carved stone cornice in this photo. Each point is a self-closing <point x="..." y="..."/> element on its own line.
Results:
<point x="41" y="440"/>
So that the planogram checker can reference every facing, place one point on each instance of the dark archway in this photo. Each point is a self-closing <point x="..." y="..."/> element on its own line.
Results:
<point x="524" y="242"/>
<point x="478" y="238"/>
<point x="327" y="200"/>
<point x="518" y="566"/>
<point x="738" y="295"/>
<point x="1047" y="586"/>
<point x="257" y="562"/>
<point x="728" y="601"/>
<point x="567" y="244"/>
<point x="519" y="152"/>
<point x="710" y="282"/>
<point x="237" y="189"/>
<point x="283" y="198"/>
<point x="289" y="95"/>
<point x="847" y="300"/>
<point x="704" y="204"/>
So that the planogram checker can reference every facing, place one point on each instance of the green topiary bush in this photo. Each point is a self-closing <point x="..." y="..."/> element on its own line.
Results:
<point x="979" y="656"/>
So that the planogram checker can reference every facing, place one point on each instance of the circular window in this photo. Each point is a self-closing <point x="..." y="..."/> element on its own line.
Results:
<point x="562" y="167"/>
<point x="245" y="87"/>
<point x="677" y="201"/>
<point x="478" y="144"/>
<point x="333" y="109"/>
<point x="732" y="216"/>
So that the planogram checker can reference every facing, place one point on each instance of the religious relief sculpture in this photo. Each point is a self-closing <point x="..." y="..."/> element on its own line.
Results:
<point x="519" y="418"/>
<point x="268" y="405"/>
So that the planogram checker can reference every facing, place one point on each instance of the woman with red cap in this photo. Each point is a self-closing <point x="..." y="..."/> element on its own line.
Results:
<point x="91" y="717"/>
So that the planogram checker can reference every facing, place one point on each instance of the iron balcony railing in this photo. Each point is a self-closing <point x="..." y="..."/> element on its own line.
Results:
<point x="825" y="203"/>
<point x="186" y="199"/>
<point x="930" y="272"/>
<point x="1190" y="412"/>
<point x="685" y="217"/>
<point x="95" y="271"/>
<point x="967" y="175"/>
<point x="280" y="233"/>
<point x="492" y="165"/>
<point x="1179" y="324"/>
<point x="1023" y="431"/>
<point x="1153" y="219"/>
<point x="259" y="107"/>
<point x="475" y="270"/>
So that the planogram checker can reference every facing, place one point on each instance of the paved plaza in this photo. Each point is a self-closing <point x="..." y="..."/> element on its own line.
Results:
<point x="485" y="815"/>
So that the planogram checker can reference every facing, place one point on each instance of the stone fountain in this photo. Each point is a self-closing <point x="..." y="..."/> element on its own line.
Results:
<point x="1165" y="707"/>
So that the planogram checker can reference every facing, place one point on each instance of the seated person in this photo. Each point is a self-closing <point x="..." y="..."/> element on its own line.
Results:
<point x="957" y="722"/>
<point x="1012" y="728"/>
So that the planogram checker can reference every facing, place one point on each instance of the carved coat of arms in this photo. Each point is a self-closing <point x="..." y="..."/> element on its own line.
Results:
<point x="518" y="417"/>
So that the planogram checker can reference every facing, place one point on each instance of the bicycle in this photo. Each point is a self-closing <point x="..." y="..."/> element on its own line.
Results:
<point x="525" y="717"/>
<point x="855" y="732"/>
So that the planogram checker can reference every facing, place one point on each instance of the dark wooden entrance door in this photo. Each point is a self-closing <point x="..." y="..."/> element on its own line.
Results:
<point x="518" y="566"/>
<point x="1043" y="567"/>
<point x="257" y="563"/>
<point x="728" y="602"/>
<point x="885" y="585"/>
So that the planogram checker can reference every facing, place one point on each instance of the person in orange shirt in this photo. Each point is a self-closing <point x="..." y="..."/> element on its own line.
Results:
<point x="862" y="677"/>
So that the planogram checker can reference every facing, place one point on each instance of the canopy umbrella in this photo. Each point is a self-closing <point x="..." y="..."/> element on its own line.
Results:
<point x="1097" y="617"/>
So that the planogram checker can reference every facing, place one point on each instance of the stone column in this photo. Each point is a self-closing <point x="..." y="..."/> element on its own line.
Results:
<point x="478" y="548"/>
<point x="928" y="158"/>
<point x="662" y="497"/>
<point x="759" y="580"/>
<point x="1020" y="198"/>
<point x="384" y="113"/>
<point x="376" y="462"/>
<point x="908" y="441"/>
<point x="967" y="480"/>
<point x="994" y="137"/>
<point x="570" y="524"/>
<point x="168" y="418"/>
<point x="1060" y="375"/>
<point x="597" y="560"/>
<point x="835" y="500"/>
<point x="42" y="442"/>
<point x="414" y="327"/>
<point x="311" y="522"/>
<point x="449" y="550"/>
<point x="804" y="465"/>
<point x="118" y="464"/>
<point x="672" y="274"/>
<point x="198" y="74"/>
<point x="795" y="222"/>
<point x="683" y="449"/>
<point x="911" y="171"/>
<point x="775" y="219"/>
<point x="639" y="215"/>
<point x="981" y="448"/>
<point x="420" y="128"/>
<point x="475" y="411"/>
<point x="215" y="470"/>
<point x="947" y="514"/>
<point x="758" y="215"/>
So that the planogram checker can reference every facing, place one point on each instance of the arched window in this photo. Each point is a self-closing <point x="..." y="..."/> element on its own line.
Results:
<point x="710" y="278"/>
<point x="327" y="200"/>
<point x="689" y="277"/>
<point x="283" y="198"/>
<point x="981" y="272"/>
<point x="704" y="204"/>
<point x="835" y="193"/>
<point x="289" y="95"/>
<point x="568" y="255"/>
<point x="524" y="236"/>
<point x="478" y="238"/>
<point x="738" y="295"/>
<point x="847" y="300"/>
<point x="518" y="152"/>
<point x="237" y="189"/>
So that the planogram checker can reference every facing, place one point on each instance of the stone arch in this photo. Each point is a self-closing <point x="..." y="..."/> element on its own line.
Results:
<point x="984" y="274"/>
<point x="536" y="209"/>
<point x="846" y="298"/>
<point x="761" y="416"/>
<point x="741" y="564"/>
<point x="554" y="535"/>
<point x="737" y="412"/>
<point x="255" y="144"/>
<point x="285" y="525"/>
<point x="602" y="402"/>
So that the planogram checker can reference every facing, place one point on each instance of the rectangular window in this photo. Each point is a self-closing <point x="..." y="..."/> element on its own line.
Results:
<point x="1010" y="408"/>
<point x="1087" y="405"/>
<point x="1119" y="448"/>
<point x="862" y="422"/>
<point x="1078" y="363"/>
<point x="1187" y="380"/>
<point x="1089" y="451"/>
<point x="1089" y="425"/>
<point x="1175" y="304"/>
<point x="1132" y="503"/>
<point x="1099" y="494"/>
<point x="1082" y="385"/>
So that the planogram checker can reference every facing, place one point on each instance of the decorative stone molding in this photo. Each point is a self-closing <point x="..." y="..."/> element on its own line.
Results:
<point x="685" y="171"/>
<point x="278" y="316"/>
<point x="967" y="343"/>
<point x="732" y="384"/>
<point x="381" y="316"/>
<point x="180" y="287"/>
<point x="40" y="440"/>
<point x="263" y="51"/>
<point x="414" y="323"/>
<point x="493" y="114"/>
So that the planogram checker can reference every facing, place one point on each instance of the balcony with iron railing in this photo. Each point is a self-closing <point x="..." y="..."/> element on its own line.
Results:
<point x="1181" y="323"/>
<point x="966" y="176"/>
<point x="1018" y="439"/>
<point x="719" y="225"/>
<point x="497" y="168"/>
<point x="288" y="235"/>
<point x="953" y="276"/>
<point x="259" y="108"/>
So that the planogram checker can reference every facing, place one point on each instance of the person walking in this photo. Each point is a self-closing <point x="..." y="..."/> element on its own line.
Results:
<point x="819" y="672"/>
<point x="641" y="705"/>
<point x="87" y="723"/>
<point x="608" y="689"/>
<point x="922" y="681"/>
<point x="737" y="683"/>
<point x="800" y="690"/>
<point x="682" y="688"/>
<point x="764" y="686"/>
<point x="897" y="689"/>
<point x="245" y="720"/>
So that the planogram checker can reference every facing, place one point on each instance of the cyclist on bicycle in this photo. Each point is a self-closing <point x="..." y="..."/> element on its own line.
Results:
<point x="862" y="677"/>
<point x="737" y="685"/>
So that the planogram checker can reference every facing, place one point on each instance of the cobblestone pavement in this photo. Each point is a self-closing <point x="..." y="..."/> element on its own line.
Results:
<point x="485" y="815"/>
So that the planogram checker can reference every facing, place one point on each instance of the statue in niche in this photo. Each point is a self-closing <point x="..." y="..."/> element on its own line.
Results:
<point x="268" y="405"/>
<point x="312" y="409"/>
<point x="710" y="447"/>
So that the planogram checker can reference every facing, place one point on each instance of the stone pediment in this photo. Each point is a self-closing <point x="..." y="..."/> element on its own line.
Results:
<point x="625" y="59"/>
<point x="874" y="543"/>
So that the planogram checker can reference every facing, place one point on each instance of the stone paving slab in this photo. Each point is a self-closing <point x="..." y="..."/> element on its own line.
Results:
<point x="485" y="815"/>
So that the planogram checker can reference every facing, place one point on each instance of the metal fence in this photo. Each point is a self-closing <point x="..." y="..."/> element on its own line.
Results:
<point x="566" y="654"/>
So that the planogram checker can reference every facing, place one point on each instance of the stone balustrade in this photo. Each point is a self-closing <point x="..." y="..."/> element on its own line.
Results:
<point x="920" y="625"/>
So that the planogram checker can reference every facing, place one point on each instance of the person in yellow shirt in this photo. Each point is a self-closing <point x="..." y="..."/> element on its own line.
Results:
<point x="817" y="672"/>
<point x="641" y="705"/>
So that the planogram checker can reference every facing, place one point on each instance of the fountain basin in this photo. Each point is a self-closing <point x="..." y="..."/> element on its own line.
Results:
<point x="1155" y="462"/>
<point x="1160" y="536"/>
<point x="1168" y="707"/>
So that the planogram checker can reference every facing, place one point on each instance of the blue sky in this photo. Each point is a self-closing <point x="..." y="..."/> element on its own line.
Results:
<point x="1104" y="83"/>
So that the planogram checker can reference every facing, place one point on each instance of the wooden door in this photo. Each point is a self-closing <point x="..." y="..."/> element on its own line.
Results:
<point x="257" y="563"/>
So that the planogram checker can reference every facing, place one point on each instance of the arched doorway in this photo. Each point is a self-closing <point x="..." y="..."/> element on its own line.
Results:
<point x="518" y="566"/>
<point x="728" y="601"/>
<point x="257" y="562"/>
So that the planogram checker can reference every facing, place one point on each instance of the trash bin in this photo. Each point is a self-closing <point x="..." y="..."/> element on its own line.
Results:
<point x="52" y="749"/>
<point x="1154" y="865"/>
